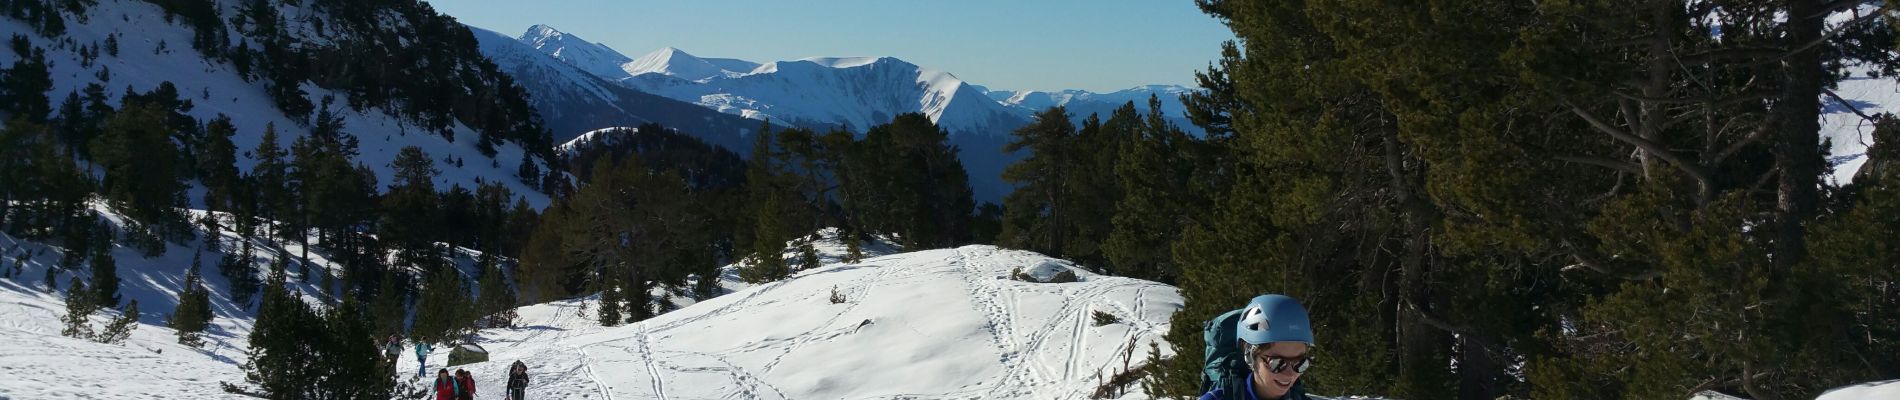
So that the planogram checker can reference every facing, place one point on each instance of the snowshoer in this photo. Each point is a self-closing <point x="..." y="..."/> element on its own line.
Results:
<point x="422" y="358"/>
<point x="518" y="381"/>
<point x="466" y="382"/>
<point x="392" y="349"/>
<point x="446" y="388"/>
<point x="1258" y="352"/>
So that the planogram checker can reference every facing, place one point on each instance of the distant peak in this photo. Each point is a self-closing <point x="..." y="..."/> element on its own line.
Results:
<point x="848" y="62"/>
<point x="541" y="31"/>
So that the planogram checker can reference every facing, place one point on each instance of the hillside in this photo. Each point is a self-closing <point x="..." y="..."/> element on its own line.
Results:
<point x="152" y="49"/>
<point x="935" y="323"/>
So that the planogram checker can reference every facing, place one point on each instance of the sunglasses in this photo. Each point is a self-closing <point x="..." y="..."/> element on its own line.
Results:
<point x="1280" y="364"/>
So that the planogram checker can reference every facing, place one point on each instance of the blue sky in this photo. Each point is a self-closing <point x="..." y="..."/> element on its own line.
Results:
<point x="1099" y="45"/>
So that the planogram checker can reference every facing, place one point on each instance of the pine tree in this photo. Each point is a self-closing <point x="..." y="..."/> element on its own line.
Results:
<point x="105" y="274"/>
<point x="217" y="165"/>
<point x="122" y="326"/>
<point x="767" y="264"/>
<point x="444" y="312"/>
<point x="270" y="180"/>
<point x="193" y="314"/>
<point x="410" y="210"/>
<point x="239" y="268"/>
<point x="1034" y="212"/>
<point x="388" y="307"/>
<point x="497" y="301"/>
<point x="610" y="305"/>
<point x="1155" y="170"/>
<point x="24" y="85"/>
<point x="79" y="308"/>
<point x="141" y="164"/>
<point x="770" y="229"/>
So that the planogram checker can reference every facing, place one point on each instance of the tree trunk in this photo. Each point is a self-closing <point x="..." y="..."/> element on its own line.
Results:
<point x="1796" y="149"/>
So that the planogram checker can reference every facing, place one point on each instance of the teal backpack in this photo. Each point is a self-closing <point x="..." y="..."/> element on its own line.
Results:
<point x="1222" y="365"/>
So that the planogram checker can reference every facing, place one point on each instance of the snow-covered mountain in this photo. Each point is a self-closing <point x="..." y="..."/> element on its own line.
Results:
<point x="1082" y="103"/>
<point x="595" y="58"/>
<point x="153" y="49"/>
<point x="573" y="101"/>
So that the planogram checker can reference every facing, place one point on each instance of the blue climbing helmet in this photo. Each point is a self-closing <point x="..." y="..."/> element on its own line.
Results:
<point x="1274" y="318"/>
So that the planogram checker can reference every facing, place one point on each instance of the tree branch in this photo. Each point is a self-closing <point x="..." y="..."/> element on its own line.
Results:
<point x="1618" y="165"/>
<point x="1759" y="133"/>
<point x="1695" y="171"/>
<point x="1849" y="105"/>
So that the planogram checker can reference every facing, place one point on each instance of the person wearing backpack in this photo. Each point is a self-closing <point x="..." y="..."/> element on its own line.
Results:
<point x="392" y="349"/>
<point x="1258" y="352"/>
<point x="466" y="382"/>
<point x="422" y="357"/>
<point x="446" y="388"/>
<point x="518" y="381"/>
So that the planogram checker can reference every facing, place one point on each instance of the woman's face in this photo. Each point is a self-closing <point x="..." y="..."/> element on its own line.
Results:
<point x="1273" y="385"/>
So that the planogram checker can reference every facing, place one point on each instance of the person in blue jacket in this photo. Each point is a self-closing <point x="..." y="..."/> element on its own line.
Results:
<point x="1275" y="335"/>
<point x="422" y="358"/>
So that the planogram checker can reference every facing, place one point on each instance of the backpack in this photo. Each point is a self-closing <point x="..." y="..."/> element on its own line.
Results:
<point x="1222" y="364"/>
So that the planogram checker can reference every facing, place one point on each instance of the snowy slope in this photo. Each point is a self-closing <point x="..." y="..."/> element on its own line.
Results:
<point x="939" y="324"/>
<point x="1848" y="132"/>
<point x="39" y="363"/>
<point x="594" y="58"/>
<point x="572" y="101"/>
<point x="1865" y="391"/>
<point x="215" y="88"/>
<point x="42" y="364"/>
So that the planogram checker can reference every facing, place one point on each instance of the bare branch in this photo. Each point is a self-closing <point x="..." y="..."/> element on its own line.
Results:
<point x="1850" y="106"/>
<point x="1618" y="165"/>
<point x="1694" y="170"/>
<point x="1754" y="136"/>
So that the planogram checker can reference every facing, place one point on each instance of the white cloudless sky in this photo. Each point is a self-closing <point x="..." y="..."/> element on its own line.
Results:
<point x="1099" y="45"/>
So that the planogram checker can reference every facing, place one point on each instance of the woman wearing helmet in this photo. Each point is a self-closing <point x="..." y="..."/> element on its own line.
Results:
<point x="1274" y="336"/>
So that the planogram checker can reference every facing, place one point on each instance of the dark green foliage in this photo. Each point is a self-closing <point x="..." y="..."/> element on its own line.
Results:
<point x="497" y="300"/>
<point x="409" y="210"/>
<point x="767" y="196"/>
<point x="79" y="307"/>
<point x="610" y="303"/>
<point x="23" y="85"/>
<point x="643" y="228"/>
<point x="238" y="266"/>
<point x="300" y="353"/>
<point x="445" y="312"/>
<point x="1101" y="318"/>
<point x="143" y="165"/>
<point x="270" y="197"/>
<point x="389" y="307"/>
<point x="904" y="178"/>
<point x="121" y="327"/>
<point x="217" y="165"/>
<point x="1036" y="214"/>
<point x="105" y="274"/>
<point x="1654" y="193"/>
<point x="193" y="313"/>
<point x="1155" y="171"/>
<point x="42" y="192"/>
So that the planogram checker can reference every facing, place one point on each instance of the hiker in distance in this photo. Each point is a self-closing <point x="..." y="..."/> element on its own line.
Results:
<point x="1258" y="352"/>
<point x="422" y="357"/>
<point x="518" y="381"/>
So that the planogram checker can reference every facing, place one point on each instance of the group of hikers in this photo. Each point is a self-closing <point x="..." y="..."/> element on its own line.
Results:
<point x="461" y="385"/>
